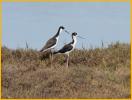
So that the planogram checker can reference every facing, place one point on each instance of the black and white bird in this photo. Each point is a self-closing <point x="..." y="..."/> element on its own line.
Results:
<point x="66" y="49"/>
<point x="52" y="42"/>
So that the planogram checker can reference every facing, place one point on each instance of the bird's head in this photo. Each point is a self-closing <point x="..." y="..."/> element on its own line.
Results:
<point x="62" y="27"/>
<point x="74" y="34"/>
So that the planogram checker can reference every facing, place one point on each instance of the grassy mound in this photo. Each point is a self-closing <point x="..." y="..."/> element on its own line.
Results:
<point x="92" y="73"/>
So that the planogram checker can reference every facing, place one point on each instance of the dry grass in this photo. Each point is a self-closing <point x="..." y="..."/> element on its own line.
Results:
<point x="93" y="73"/>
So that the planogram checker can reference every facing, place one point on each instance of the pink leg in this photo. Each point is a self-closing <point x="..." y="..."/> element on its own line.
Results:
<point x="51" y="58"/>
<point x="67" y="60"/>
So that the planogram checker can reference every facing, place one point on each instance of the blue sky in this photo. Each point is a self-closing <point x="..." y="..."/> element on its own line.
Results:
<point x="34" y="23"/>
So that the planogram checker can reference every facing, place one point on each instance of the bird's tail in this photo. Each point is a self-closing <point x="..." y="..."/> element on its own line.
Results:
<point x="41" y="50"/>
<point x="55" y="52"/>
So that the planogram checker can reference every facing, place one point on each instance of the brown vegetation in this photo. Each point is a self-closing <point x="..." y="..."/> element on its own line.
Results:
<point x="93" y="73"/>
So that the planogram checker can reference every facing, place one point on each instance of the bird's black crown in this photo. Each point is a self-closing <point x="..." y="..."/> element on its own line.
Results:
<point x="74" y="33"/>
<point x="62" y="27"/>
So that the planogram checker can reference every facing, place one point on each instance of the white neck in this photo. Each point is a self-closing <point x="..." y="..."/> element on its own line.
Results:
<point x="59" y="33"/>
<point x="61" y="30"/>
<point x="75" y="41"/>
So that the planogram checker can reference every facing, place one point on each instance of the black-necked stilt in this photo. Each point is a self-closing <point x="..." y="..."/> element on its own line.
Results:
<point x="68" y="47"/>
<point x="52" y="42"/>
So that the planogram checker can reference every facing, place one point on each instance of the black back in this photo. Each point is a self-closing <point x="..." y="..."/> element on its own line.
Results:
<point x="66" y="48"/>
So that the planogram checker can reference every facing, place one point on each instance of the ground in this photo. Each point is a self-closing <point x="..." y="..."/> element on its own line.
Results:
<point x="92" y="73"/>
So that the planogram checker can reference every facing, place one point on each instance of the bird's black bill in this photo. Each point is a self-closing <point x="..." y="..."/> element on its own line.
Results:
<point x="81" y="37"/>
<point x="77" y="36"/>
<point x="67" y="31"/>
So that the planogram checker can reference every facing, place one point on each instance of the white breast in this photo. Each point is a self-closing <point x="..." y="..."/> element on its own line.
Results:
<point x="56" y="42"/>
<point x="75" y="41"/>
<point x="57" y="39"/>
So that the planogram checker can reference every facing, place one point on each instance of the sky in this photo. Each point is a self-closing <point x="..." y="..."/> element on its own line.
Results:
<point x="35" y="23"/>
